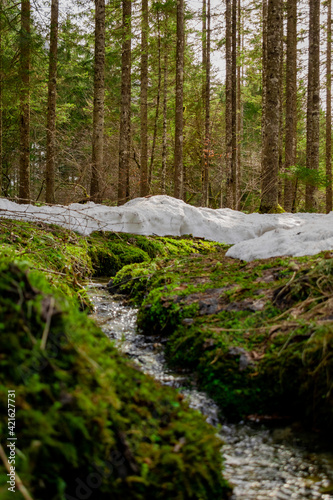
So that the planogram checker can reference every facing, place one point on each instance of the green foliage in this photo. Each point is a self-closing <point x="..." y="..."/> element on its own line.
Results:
<point x="306" y="175"/>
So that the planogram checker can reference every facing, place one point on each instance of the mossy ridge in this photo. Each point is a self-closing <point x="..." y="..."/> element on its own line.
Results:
<point x="274" y="316"/>
<point x="60" y="254"/>
<point x="110" y="252"/>
<point x="66" y="258"/>
<point x="78" y="401"/>
<point x="77" y="410"/>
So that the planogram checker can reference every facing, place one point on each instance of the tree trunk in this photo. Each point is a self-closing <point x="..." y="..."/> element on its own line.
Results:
<point x="207" y="148"/>
<point x="98" y="116"/>
<point x="1" y="83"/>
<point x="51" y="105"/>
<point x="281" y="131"/>
<point x="312" y="117"/>
<point x="165" y="111"/>
<point x="263" y="77"/>
<point x="329" y="109"/>
<point x="178" y="165"/>
<point x="291" y="100"/>
<point x="24" y="176"/>
<point x="144" y="186"/>
<point x="269" y="192"/>
<point x="228" y="106"/>
<point x="158" y="97"/>
<point x="125" y="117"/>
<point x="234" y="104"/>
<point x="203" y="97"/>
<point x="239" y="109"/>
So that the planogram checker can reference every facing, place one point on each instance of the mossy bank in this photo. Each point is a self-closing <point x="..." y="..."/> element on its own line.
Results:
<point x="88" y="423"/>
<point x="258" y="335"/>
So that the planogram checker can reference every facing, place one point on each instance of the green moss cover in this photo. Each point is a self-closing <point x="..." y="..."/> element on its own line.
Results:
<point x="259" y="335"/>
<point x="88" y="423"/>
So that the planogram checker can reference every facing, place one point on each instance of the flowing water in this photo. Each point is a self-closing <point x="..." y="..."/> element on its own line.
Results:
<point x="260" y="463"/>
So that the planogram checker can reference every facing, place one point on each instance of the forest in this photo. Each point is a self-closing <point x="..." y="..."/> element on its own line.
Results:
<point x="166" y="250"/>
<point x="223" y="105"/>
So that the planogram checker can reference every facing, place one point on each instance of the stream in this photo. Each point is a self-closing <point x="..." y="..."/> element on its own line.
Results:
<point x="261" y="463"/>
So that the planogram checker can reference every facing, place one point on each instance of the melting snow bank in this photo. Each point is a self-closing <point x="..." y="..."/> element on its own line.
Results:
<point x="254" y="236"/>
<point x="314" y="235"/>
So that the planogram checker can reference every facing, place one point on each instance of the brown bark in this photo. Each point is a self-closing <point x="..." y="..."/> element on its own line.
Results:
<point x="158" y="97"/>
<point x="51" y="106"/>
<point x="1" y="83"/>
<point x="24" y="174"/>
<point x="269" y="188"/>
<point x="228" y="106"/>
<point x="125" y="112"/>
<point x="144" y="186"/>
<point x="203" y="96"/>
<point x="312" y="117"/>
<point x="263" y="77"/>
<point x="98" y="113"/>
<point x="165" y="110"/>
<point x="239" y="109"/>
<point x="329" y="108"/>
<point x="281" y="131"/>
<point x="179" y="121"/>
<point x="234" y="103"/>
<point x="291" y="99"/>
<point x="207" y="146"/>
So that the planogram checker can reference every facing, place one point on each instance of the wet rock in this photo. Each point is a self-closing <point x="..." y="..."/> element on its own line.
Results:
<point x="187" y="321"/>
<point x="111" y="287"/>
<point x="245" y="358"/>
<point x="209" y="343"/>
<point x="246" y="305"/>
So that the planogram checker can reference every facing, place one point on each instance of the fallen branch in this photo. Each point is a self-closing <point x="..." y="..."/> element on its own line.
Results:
<point x="20" y="486"/>
<point x="47" y="325"/>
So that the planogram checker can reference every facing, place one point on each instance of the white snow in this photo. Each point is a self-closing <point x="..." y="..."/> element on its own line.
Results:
<point x="254" y="236"/>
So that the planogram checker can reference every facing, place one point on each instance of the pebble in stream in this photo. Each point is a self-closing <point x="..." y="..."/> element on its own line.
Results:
<point x="256" y="465"/>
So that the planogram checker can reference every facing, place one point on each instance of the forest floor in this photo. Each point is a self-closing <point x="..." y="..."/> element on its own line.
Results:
<point x="257" y="336"/>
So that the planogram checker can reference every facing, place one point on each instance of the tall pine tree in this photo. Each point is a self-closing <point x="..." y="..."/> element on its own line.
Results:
<point x="269" y="187"/>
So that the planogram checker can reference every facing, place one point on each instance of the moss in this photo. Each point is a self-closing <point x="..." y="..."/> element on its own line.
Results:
<point x="86" y="419"/>
<point x="258" y="335"/>
<point x="271" y="210"/>
<point x="111" y="251"/>
<point x="60" y="254"/>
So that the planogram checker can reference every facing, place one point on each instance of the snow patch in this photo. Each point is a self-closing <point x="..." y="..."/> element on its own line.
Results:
<point x="254" y="236"/>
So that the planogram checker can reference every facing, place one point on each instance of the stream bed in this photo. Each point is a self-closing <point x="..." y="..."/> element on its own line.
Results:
<point x="260" y="463"/>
